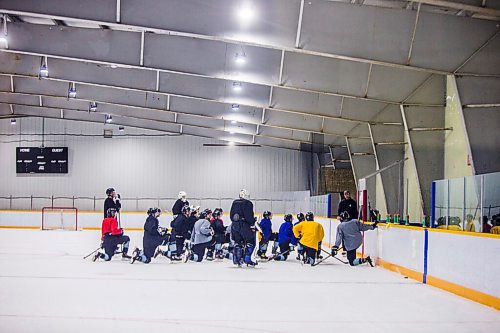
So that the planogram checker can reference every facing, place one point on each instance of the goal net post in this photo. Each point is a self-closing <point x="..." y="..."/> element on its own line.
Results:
<point x="59" y="218"/>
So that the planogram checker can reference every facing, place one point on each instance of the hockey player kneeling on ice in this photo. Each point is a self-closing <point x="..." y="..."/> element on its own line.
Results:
<point x="202" y="236"/>
<point x="349" y="233"/>
<point x="112" y="236"/>
<point x="310" y="234"/>
<point x="286" y="238"/>
<point x="267" y="229"/>
<point x="154" y="236"/>
<point x="219" y="235"/>
<point x="180" y="232"/>
<point x="242" y="230"/>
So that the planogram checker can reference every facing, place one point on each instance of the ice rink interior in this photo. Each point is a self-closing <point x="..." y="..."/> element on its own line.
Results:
<point x="47" y="287"/>
<point x="295" y="101"/>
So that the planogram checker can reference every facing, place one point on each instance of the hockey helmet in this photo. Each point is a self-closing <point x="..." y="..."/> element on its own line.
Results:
<point x="204" y="214"/>
<point x="111" y="212"/>
<point x="186" y="209"/>
<point x="344" y="216"/>
<point x="217" y="212"/>
<point x="182" y="195"/>
<point x="109" y="191"/>
<point x="309" y="216"/>
<point x="288" y="217"/>
<point x="300" y="217"/>
<point x="267" y="214"/>
<point x="243" y="194"/>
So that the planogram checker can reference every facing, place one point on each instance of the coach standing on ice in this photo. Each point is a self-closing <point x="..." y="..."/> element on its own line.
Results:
<point x="242" y="231"/>
<point x="348" y="205"/>
<point x="112" y="201"/>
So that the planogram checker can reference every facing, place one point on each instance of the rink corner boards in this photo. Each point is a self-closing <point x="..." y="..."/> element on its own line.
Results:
<point x="423" y="277"/>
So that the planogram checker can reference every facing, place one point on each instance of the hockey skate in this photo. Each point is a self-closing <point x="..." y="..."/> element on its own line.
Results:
<point x="158" y="252"/>
<point x="96" y="256"/>
<point x="186" y="256"/>
<point x="369" y="261"/>
<point x="135" y="255"/>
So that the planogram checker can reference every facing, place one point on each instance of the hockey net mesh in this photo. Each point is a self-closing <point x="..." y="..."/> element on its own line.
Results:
<point x="60" y="218"/>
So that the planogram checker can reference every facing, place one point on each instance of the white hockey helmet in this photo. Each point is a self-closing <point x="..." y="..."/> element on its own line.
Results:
<point x="182" y="195"/>
<point x="244" y="194"/>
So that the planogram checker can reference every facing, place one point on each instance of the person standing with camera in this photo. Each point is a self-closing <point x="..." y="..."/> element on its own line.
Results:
<point x="112" y="201"/>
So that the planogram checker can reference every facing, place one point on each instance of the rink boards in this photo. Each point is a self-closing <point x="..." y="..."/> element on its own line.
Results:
<point x="459" y="262"/>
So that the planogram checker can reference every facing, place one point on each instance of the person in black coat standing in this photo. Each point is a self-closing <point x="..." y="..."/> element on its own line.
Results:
<point x="112" y="201"/>
<point x="243" y="229"/>
<point x="154" y="236"/>
<point x="348" y="205"/>
<point x="179" y="203"/>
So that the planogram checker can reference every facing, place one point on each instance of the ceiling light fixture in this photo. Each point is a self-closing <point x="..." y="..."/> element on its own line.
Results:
<point x="72" y="90"/>
<point x="237" y="86"/>
<point x="44" y="69"/>
<point x="245" y="13"/>
<point x="108" y="118"/>
<point x="240" y="58"/>
<point x="4" y="42"/>
<point x="93" y="107"/>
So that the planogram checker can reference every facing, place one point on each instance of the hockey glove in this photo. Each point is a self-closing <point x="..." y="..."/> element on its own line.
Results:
<point x="335" y="249"/>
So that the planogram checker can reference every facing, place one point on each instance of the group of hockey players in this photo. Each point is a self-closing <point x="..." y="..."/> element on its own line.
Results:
<point x="197" y="234"/>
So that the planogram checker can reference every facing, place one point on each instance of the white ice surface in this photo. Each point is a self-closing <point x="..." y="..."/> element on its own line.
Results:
<point x="46" y="286"/>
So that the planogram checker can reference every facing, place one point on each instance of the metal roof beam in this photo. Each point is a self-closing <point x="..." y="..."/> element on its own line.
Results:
<point x="148" y="119"/>
<point x="169" y="95"/>
<point x="175" y="113"/>
<point x="139" y="28"/>
<point x="120" y="65"/>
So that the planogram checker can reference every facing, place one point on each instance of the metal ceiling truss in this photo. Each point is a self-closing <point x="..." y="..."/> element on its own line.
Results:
<point x="139" y="28"/>
<point x="179" y="131"/>
<point x="175" y="113"/>
<point x="271" y="109"/>
<point x="160" y="70"/>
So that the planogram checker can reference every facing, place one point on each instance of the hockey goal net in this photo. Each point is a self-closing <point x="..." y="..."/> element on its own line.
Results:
<point x="62" y="218"/>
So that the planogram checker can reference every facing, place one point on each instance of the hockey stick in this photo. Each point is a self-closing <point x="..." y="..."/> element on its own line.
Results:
<point x="320" y="261"/>
<point x="277" y="255"/>
<point x="91" y="253"/>
<point x="342" y="261"/>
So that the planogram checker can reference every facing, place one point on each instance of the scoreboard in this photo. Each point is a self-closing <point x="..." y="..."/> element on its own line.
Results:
<point x="42" y="160"/>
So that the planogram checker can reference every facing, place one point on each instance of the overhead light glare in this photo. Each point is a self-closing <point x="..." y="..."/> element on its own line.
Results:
<point x="245" y="13"/>
<point x="231" y="132"/>
<point x="234" y="122"/>
<point x="4" y="42"/>
<point x="240" y="58"/>
<point x="237" y="86"/>
<point x="230" y="143"/>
